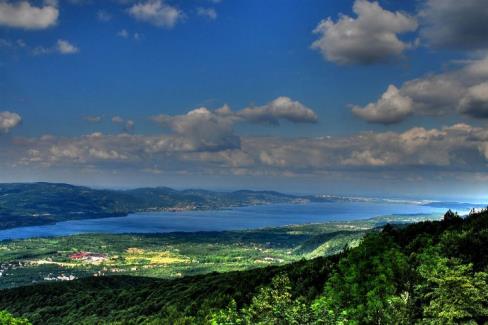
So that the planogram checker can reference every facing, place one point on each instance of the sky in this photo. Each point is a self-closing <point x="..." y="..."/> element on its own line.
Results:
<point x="359" y="97"/>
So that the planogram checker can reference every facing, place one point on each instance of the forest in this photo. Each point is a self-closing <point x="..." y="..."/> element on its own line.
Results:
<point x="432" y="272"/>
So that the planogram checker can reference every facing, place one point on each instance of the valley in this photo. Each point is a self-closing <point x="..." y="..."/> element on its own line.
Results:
<point x="175" y="255"/>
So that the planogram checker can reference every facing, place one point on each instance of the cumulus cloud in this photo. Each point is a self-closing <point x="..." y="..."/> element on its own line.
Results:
<point x="23" y="15"/>
<point x="475" y="102"/>
<point x="392" y="107"/>
<point x="202" y="129"/>
<point x="209" y="13"/>
<point x="455" y="24"/>
<point x="157" y="13"/>
<point x="281" y="108"/>
<point x="434" y="94"/>
<point x="371" y="37"/>
<point x="8" y="121"/>
<point x="206" y="129"/>
<point x="461" y="90"/>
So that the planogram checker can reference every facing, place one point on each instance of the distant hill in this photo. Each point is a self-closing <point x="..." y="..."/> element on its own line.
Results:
<point x="455" y="205"/>
<point x="23" y="204"/>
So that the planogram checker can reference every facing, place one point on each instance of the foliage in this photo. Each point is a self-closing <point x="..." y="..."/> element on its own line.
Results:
<point x="453" y="293"/>
<point x="145" y="300"/>
<point x="272" y="305"/>
<point x="368" y="283"/>
<point x="8" y="319"/>
<point x="430" y="272"/>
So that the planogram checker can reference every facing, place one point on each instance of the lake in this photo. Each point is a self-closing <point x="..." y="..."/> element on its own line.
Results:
<point x="273" y="215"/>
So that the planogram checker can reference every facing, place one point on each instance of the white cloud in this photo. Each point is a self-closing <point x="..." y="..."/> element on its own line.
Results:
<point x="204" y="129"/>
<point x="434" y="94"/>
<point x="369" y="38"/>
<point x="62" y="47"/>
<point x="459" y="147"/>
<point x="23" y="15"/>
<point x="392" y="107"/>
<point x="105" y="154"/>
<point x="455" y="24"/>
<point x="475" y="102"/>
<point x="156" y="12"/>
<point x="209" y="13"/>
<point x="460" y="90"/>
<point x="65" y="47"/>
<point x="281" y="108"/>
<point x="8" y="121"/>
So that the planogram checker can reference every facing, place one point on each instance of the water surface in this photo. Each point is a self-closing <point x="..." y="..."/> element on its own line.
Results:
<point x="273" y="215"/>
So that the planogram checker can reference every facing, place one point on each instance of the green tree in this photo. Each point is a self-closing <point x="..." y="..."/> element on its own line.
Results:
<point x="451" y="292"/>
<point x="229" y="316"/>
<point x="368" y="286"/>
<point x="449" y="215"/>
<point x="272" y="305"/>
<point x="8" y="319"/>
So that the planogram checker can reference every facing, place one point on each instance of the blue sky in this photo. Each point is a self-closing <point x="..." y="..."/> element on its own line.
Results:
<point x="111" y="84"/>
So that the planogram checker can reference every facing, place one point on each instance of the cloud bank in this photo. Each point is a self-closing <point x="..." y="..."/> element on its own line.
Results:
<point x="456" y="148"/>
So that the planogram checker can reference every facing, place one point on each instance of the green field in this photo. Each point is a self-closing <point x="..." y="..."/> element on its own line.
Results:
<point x="176" y="255"/>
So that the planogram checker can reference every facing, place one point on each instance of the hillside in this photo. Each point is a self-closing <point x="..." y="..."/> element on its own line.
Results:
<point x="43" y="203"/>
<point x="433" y="272"/>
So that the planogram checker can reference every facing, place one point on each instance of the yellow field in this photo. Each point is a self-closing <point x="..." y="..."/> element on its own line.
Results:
<point x="138" y="255"/>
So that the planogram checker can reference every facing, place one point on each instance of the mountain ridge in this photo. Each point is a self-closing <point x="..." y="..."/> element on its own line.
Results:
<point x="29" y="204"/>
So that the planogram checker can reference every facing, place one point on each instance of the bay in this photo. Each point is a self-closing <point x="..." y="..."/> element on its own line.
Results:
<point x="250" y="217"/>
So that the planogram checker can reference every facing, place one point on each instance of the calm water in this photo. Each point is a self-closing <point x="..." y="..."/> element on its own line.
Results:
<point x="231" y="219"/>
